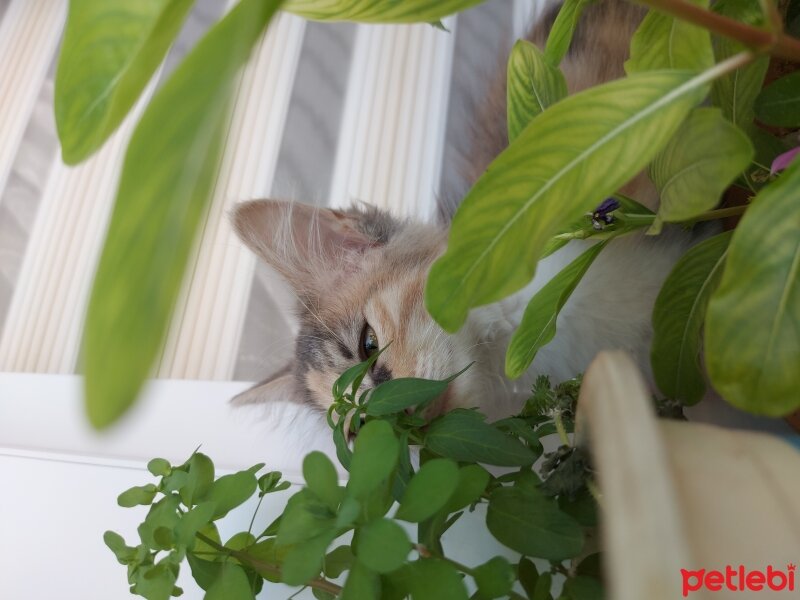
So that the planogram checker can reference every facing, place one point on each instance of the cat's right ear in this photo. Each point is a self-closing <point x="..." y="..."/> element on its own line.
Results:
<point x="279" y="388"/>
<point x="307" y="245"/>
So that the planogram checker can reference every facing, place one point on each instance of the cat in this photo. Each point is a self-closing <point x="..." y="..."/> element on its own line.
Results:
<point x="359" y="274"/>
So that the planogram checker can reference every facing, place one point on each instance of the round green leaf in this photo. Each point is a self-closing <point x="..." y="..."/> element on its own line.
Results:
<point x="533" y="84"/>
<point x="429" y="490"/>
<point x="159" y="466"/>
<point x="383" y="546"/>
<point x="778" y="104"/>
<point x="231" y="584"/>
<point x="526" y="521"/>
<point x="434" y="579"/>
<point x="538" y="183"/>
<point x="322" y="479"/>
<point x="472" y="482"/>
<point x="678" y="318"/>
<point x="140" y="494"/>
<point x="375" y="455"/>
<point x="110" y="51"/>
<point x="166" y="181"/>
<point x="494" y="578"/>
<point x="361" y="584"/>
<point x="229" y="491"/>
<point x="304" y="561"/>
<point x="752" y="333"/>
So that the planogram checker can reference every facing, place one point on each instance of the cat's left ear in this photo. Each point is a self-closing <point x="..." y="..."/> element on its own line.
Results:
<point x="279" y="388"/>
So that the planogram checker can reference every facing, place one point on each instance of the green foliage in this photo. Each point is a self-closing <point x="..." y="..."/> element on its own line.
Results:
<point x="538" y="324"/>
<point x="378" y="11"/>
<point x="538" y="183"/>
<point x="524" y="511"/>
<point x="752" y="328"/>
<point x="664" y="42"/>
<point x="678" y="319"/>
<point x="533" y="85"/>
<point x="110" y="51"/>
<point x="697" y="165"/>
<point x="563" y="29"/>
<point x="778" y="104"/>
<point x="164" y="188"/>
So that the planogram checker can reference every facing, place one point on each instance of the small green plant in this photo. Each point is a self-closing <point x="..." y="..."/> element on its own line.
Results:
<point x="327" y="530"/>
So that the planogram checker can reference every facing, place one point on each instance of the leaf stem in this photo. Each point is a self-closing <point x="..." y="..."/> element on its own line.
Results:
<point x="261" y="566"/>
<point x="562" y="432"/>
<point x="761" y="40"/>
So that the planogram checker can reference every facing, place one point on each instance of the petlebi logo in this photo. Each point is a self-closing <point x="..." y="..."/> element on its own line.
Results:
<point x="739" y="579"/>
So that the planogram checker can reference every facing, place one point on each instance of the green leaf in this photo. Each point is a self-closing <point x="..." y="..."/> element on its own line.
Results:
<point x="539" y="182"/>
<point x="322" y="479"/>
<point x="139" y="494"/>
<point x="664" y="42"/>
<point x="241" y="541"/>
<point x="583" y="508"/>
<point x="678" y="317"/>
<point x="560" y="37"/>
<point x="351" y="379"/>
<point x="110" y="51"/>
<point x="159" y="466"/>
<point x="778" y="104"/>
<point x="375" y="455"/>
<point x="192" y="522"/>
<point x="230" y="584"/>
<point x="271" y="482"/>
<point x="155" y="582"/>
<point x="429" y="490"/>
<point x="538" y="326"/>
<point x="528" y="575"/>
<point x="396" y="395"/>
<point x="378" y="11"/>
<point x="697" y="165"/>
<point x="752" y="333"/>
<point x="434" y="579"/>
<point x="304" y="518"/>
<point x="735" y="92"/>
<point x="200" y="478"/>
<point x="543" y="586"/>
<point x="343" y="452"/>
<point x="268" y="553"/>
<point x="494" y="578"/>
<point x="526" y="521"/>
<point x="337" y="561"/>
<point x="124" y="553"/>
<point x="463" y="436"/>
<point x="304" y="561"/>
<point x="166" y="181"/>
<point x="382" y="546"/>
<point x="583" y="588"/>
<point x="229" y="491"/>
<point x="533" y="85"/>
<point x="361" y="584"/>
<point x="204" y="572"/>
<point x="162" y="516"/>
<point x="472" y="482"/>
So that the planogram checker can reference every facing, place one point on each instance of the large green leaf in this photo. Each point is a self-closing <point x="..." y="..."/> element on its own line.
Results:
<point x="664" y="42"/>
<point x="538" y="324"/>
<point x="429" y="490"/>
<point x="377" y="11"/>
<point x="375" y="456"/>
<point x="678" y="319"/>
<point x="396" y="395"/>
<point x="533" y="85"/>
<point x="111" y="50"/>
<point x="435" y="579"/>
<point x="164" y="189"/>
<point x="735" y="92"/>
<point x="752" y="333"/>
<point x="778" y="104"/>
<point x="464" y="436"/>
<point x="560" y="37"/>
<point x="701" y="160"/>
<point x="231" y="584"/>
<point x="570" y="157"/>
<point x="526" y="521"/>
<point x="382" y="546"/>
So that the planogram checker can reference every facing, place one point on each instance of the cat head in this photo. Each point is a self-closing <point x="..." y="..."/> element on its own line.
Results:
<point x="359" y="278"/>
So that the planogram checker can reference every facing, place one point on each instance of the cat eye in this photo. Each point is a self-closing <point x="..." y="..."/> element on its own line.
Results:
<point x="368" y="344"/>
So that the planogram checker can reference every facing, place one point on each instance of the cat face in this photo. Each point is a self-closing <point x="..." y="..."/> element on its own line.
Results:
<point x="359" y="278"/>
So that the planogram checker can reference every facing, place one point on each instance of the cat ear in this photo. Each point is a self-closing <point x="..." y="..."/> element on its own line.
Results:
<point x="279" y="388"/>
<point x="301" y="242"/>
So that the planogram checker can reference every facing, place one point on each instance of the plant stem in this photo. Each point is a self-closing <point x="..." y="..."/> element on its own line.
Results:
<point x="562" y="432"/>
<point x="775" y="43"/>
<point x="261" y="566"/>
<point x="720" y="213"/>
<point x="255" y="512"/>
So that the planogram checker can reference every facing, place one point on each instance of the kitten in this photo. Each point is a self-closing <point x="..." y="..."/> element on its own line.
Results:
<point x="359" y="274"/>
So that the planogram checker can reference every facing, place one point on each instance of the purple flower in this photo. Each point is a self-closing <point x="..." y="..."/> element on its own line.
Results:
<point x="783" y="160"/>
<point x="601" y="215"/>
